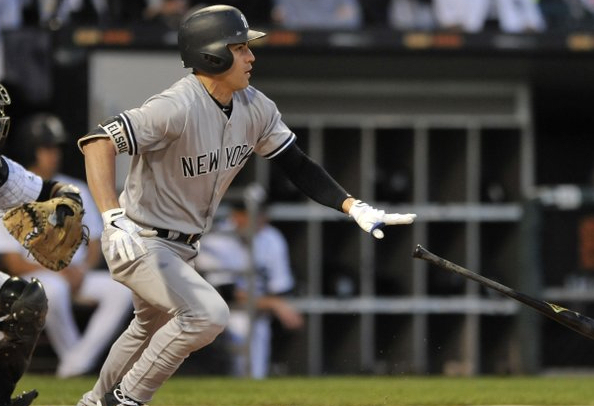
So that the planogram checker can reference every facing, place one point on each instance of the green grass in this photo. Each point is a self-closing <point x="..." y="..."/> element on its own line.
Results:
<point x="340" y="391"/>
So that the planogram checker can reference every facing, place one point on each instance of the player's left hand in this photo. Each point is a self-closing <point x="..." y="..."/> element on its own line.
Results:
<point x="124" y="236"/>
<point x="373" y="220"/>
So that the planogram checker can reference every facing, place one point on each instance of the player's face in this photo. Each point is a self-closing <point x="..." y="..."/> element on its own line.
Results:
<point x="238" y="76"/>
<point x="48" y="161"/>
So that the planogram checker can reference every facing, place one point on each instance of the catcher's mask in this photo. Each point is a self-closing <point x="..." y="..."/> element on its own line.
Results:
<point x="204" y="35"/>
<point x="4" y="119"/>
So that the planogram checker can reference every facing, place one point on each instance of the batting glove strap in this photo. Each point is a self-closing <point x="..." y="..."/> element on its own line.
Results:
<point x="373" y="220"/>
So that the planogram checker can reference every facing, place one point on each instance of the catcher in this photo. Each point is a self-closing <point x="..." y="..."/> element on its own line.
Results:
<point x="46" y="217"/>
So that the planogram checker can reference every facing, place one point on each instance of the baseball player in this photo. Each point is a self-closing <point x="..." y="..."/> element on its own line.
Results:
<point x="187" y="144"/>
<point x="23" y="303"/>
<point x="226" y="248"/>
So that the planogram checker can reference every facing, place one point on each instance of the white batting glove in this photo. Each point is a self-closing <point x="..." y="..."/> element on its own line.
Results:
<point x="125" y="241"/>
<point x="373" y="220"/>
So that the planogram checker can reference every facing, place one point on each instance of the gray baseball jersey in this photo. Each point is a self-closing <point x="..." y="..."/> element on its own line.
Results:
<point x="186" y="152"/>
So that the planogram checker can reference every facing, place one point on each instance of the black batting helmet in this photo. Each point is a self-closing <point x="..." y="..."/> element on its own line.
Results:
<point x="204" y="35"/>
<point x="4" y="119"/>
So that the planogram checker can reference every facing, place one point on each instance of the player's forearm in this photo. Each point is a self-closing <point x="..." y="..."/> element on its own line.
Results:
<point x="100" y="169"/>
<point x="16" y="265"/>
<point x="263" y="303"/>
<point x="311" y="178"/>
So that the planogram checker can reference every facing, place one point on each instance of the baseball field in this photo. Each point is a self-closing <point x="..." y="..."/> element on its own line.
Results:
<point x="341" y="391"/>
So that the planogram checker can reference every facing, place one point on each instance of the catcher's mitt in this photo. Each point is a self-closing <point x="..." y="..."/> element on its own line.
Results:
<point x="51" y="230"/>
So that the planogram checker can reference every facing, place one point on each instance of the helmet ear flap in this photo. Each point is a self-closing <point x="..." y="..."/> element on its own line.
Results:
<point x="217" y="59"/>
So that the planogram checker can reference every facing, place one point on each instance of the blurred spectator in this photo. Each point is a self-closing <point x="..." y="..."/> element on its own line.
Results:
<point x="11" y="17"/>
<point x="257" y="12"/>
<point x="11" y="14"/>
<point x="317" y="14"/>
<point x="54" y="14"/>
<point x="589" y="5"/>
<point x="411" y="15"/>
<point x="227" y="250"/>
<point x="126" y="11"/>
<point x="374" y="12"/>
<point x="40" y="138"/>
<point x="561" y="14"/>
<point x="166" y="12"/>
<point x="582" y="12"/>
<point x="513" y="16"/>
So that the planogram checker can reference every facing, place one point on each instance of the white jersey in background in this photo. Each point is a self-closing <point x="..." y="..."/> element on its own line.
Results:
<point x="21" y="186"/>
<point x="224" y="253"/>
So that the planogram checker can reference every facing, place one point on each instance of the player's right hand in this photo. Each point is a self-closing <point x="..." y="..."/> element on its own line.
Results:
<point x="124" y="235"/>
<point x="373" y="220"/>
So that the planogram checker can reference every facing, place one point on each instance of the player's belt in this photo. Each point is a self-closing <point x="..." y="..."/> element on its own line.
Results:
<point x="177" y="236"/>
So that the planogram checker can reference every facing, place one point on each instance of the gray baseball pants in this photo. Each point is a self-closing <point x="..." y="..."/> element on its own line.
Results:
<point x="176" y="312"/>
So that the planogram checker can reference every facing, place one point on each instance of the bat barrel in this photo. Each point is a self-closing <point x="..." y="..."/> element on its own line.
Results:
<point x="569" y="318"/>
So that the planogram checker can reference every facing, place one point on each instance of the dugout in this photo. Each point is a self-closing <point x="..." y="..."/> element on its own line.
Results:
<point x="461" y="129"/>
<point x="559" y="263"/>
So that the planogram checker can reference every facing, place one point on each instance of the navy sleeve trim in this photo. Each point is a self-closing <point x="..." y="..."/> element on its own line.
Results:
<point x="133" y="150"/>
<point x="281" y="148"/>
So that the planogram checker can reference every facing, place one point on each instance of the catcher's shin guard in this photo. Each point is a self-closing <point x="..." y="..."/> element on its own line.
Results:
<point x="24" y="399"/>
<point x="23" y="306"/>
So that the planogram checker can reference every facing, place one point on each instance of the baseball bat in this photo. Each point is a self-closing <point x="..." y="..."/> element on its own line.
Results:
<point x="573" y="320"/>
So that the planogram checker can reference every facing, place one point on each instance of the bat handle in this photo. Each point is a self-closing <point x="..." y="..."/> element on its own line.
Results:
<point x="419" y="252"/>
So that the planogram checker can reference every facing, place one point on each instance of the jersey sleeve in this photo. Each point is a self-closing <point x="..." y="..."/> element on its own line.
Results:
<point x="21" y="186"/>
<point x="151" y="127"/>
<point x="275" y="135"/>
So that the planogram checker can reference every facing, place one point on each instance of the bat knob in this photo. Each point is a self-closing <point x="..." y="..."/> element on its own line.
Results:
<point x="418" y="251"/>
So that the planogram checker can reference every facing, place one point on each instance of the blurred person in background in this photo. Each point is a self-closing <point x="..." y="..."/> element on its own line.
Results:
<point x="513" y="16"/>
<point x="166" y="12"/>
<point x="411" y="15"/>
<point x="317" y="14"/>
<point x="226" y="252"/>
<point x="11" y="18"/>
<point x="40" y="139"/>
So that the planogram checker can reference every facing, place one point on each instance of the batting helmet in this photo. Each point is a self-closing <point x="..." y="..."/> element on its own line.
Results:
<point x="39" y="130"/>
<point x="4" y="119"/>
<point x="204" y="35"/>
